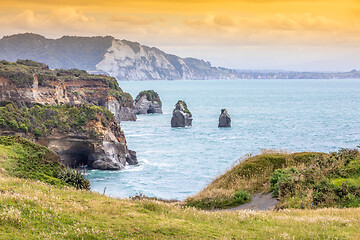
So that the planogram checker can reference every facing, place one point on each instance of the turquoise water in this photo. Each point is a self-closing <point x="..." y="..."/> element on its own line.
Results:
<point x="295" y="115"/>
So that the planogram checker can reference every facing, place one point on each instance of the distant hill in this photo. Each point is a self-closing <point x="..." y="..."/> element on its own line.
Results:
<point x="122" y="59"/>
<point x="127" y="60"/>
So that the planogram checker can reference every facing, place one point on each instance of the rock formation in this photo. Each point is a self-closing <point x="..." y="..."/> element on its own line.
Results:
<point x="224" y="119"/>
<point x="148" y="102"/>
<point x="182" y="117"/>
<point x="69" y="111"/>
<point x="29" y="81"/>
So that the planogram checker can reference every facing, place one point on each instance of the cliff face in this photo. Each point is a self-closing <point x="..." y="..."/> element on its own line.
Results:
<point x="107" y="151"/>
<point x="81" y="135"/>
<point x="122" y="59"/>
<point x="69" y="111"/>
<point x="19" y="82"/>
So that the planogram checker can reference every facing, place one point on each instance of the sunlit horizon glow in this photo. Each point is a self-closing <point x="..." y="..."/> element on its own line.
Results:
<point x="303" y="35"/>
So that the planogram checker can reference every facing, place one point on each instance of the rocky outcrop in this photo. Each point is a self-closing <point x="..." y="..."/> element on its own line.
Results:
<point x="148" y="102"/>
<point x="106" y="153"/>
<point x="121" y="113"/>
<point x="224" y="119"/>
<point x="99" y="143"/>
<point x="182" y="117"/>
<point x="69" y="111"/>
<point x="63" y="87"/>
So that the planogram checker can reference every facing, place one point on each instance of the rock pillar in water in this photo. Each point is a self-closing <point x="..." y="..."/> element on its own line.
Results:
<point x="181" y="115"/>
<point x="224" y="119"/>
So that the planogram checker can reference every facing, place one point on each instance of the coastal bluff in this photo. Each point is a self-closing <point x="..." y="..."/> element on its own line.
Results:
<point x="73" y="113"/>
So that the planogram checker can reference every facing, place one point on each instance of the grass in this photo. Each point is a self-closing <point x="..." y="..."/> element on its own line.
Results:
<point x="310" y="180"/>
<point x="23" y="159"/>
<point x="33" y="209"/>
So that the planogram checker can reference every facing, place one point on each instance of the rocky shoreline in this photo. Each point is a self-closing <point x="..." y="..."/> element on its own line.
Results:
<point x="73" y="113"/>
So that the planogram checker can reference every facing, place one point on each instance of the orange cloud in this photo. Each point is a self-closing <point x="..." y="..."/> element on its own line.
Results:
<point x="188" y="22"/>
<point x="135" y="20"/>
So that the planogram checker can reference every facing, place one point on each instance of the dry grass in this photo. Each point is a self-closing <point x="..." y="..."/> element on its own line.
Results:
<point x="34" y="210"/>
<point x="251" y="174"/>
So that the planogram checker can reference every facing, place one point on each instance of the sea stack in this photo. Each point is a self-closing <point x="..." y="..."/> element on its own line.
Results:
<point x="182" y="117"/>
<point x="147" y="102"/>
<point x="224" y="119"/>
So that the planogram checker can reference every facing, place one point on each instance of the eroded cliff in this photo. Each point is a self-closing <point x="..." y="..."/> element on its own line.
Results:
<point x="71" y="112"/>
<point x="29" y="81"/>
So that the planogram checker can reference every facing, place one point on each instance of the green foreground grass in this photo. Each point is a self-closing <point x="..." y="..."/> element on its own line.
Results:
<point x="299" y="180"/>
<point x="33" y="209"/>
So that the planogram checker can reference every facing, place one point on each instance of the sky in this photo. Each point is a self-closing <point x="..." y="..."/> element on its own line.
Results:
<point x="301" y="35"/>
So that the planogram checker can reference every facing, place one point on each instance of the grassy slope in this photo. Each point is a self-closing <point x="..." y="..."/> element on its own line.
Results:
<point x="310" y="180"/>
<point x="21" y="158"/>
<point x="32" y="209"/>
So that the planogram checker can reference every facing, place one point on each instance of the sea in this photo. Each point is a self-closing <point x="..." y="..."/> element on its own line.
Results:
<point x="290" y="115"/>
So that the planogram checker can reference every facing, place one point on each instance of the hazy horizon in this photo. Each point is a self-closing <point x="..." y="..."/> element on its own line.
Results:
<point x="291" y="35"/>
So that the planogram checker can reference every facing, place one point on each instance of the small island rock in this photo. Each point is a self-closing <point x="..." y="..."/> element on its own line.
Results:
<point x="224" y="119"/>
<point x="148" y="102"/>
<point x="182" y="117"/>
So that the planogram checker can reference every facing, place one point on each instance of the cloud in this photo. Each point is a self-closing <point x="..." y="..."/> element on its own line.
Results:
<point x="224" y="21"/>
<point x="212" y="29"/>
<point x="291" y="22"/>
<point x="275" y="29"/>
<point x="71" y="21"/>
<point x="135" y="20"/>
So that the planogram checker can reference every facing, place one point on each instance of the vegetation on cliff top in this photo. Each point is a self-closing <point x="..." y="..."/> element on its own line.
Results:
<point x="23" y="159"/>
<point x="43" y="120"/>
<point x="151" y="95"/>
<point x="310" y="180"/>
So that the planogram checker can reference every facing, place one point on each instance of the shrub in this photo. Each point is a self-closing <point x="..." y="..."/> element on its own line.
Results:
<point x="14" y="125"/>
<point x="37" y="133"/>
<point x="24" y="128"/>
<point x="241" y="197"/>
<point x="278" y="177"/>
<point x="74" y="178"/>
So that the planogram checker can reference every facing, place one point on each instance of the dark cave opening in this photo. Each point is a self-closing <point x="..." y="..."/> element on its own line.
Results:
<point x="151" y="110"/>
<point x="77" y="156"/>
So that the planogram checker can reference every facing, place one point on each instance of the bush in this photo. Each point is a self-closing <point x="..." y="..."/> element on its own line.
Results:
<point x="14" y="125"/>
<point x="241" y="197"/>
<point x="278" y="177"/>
<point x="37" y="133"/>
<point x="74" y="178"/>
<point x="24" y="128"/>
